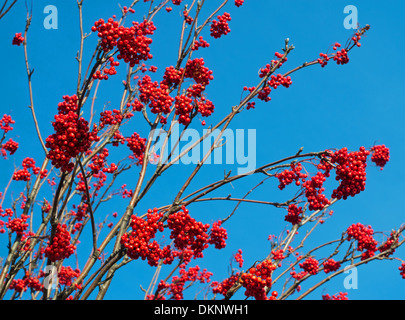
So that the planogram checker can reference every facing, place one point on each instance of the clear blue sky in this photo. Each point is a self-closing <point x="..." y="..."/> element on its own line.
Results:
<point x="359" y="104"/>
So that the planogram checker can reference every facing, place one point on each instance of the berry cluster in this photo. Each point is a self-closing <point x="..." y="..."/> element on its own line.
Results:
<point x="5" y="123"/>
<point x="340" y="296"/>
<point x="401" y="269"/>
<point x="351" y="171"/>
<point x="18" y="39"/>
<point x="18" y="225"/>
<point x="196" y="70"/>
<point x="66" y="275"/>
<point x="288" y="176"/>
<point x="310" y="265"/>
<point x="138" y="242"/>
<point x="184" y="106"/>
<point x="157" y="96"/>
<point x="132" y="43"/>
<point x="60" y="246"/>
<point x="109" y="117"/>
<point x="330" y="265"/>
<point x="24" y="174"/>
<point x="106" y="72"/>
<point x="294" y="215"/>
<point x="238" y="3"/>
<point x="364" y="237"/>
<point x="187" y="232"/>
<point x="221" y="27"/>
<point x="172" y="76"/>
<point x="380" y="155"/>
<point x="10" y="146"/>
<point x="238" y="258"/>
<point x="137" y="145"/>
<point x="257" y="278"/>
<point x="225" y="285"/>
<point x="314" y="192"/>
<point x="218" y="235"/>
<point x="200" y="43"/>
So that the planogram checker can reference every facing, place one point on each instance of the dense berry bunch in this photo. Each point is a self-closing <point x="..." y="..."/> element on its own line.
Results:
<point x="66" y="275"/>
<point x="220" y="27"/>
<point x="205" y="107"/>
<point x="60" y="246"/>
<point x="138" y="242"/>
<point x="218" y="235"/>
<point x="294" y="215"/>
<point x="351" y="171"/>
<point x="225" y="285"/>
<point x="187" y="232"/>
<point x="10" y="146"/>
<point x="109" y="117"/>
<point x="196" y="70"/>
<point x="18" y="39"/>
<point x="330" y="265"/>
<point x="24" y="174"/>
<point x="314" y="192"/>
<point x="132" y="43"/>
<point x="238" y="3"/>
<point x="387" y="245"/>
<point x="157" y="96"/>
<point x="364" y="237"/>
<point x="279" y="80"/>
<point x="288" y="176"/>
<point x="18" y="225"/>
<point x="137" y="145"/>
<point x="5" y="123"/>
<point x="341" y="57"/>
<point x="310" y="265"/>
<point x="238" y="258"/>
<point x="380" y="155"/>
<point x="172" y="76"/>
<point x="98" y="162"/>
<point x="71" y="138"/>
<point x="200" y="43"/>
<point x="184" y="106"/>
<point x="70" y="103"/>
<point x="257" y="278"/>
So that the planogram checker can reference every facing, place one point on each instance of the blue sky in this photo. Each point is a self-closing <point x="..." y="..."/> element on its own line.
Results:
<point x="358" y="104"/>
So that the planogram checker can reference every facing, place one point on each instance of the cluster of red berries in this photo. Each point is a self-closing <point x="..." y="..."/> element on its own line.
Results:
<point x="238" y="3"/>
<point x="109" y="117"/>
<point x="196" y="70"/>
<point x="184" y="106"/>
<point x="187" y="232"/>
<point x="310" y="265"/>
<point x="380" y="155"/>
<point x="220" y="27"/>
<point x="205" y="107"/>
<point x="98" y="161"/>
<point x="5" y="123"/>
<point x="257" y="278"/>
<point x="106" y="72"/>
<point x="10" y="146"/>
<point x="66" y="275"/>
<point x="24" y="174"/>
<point x="277" y="255"/>
<point x="238" y="258"/>
<point x="137" y="145"/>
<point x="18" y="225"/>
<point x="21" y="285"/>
<point x="138" y="241"/>
<point x="290" y="175"/>
<point x="218" y="235"/>
<point x="351" y="171"/>
<point x="387" y="245"/>
<point x="157" y="96"/>
<point x="200" y="43"/>
<point x="172" y="76"/>
<point x="176" y="288"/>
<point x="314" y="192"/>
<point x="294" y="215"/>
<point x="60" y="246"/>
<point x="341" y="57"/>
<point x="132" y="43"/>
<point x="224" y="286"/>
<point x="331" y="265"/>
<point x="18" y="39"/>
<point x="364" y="237"/>
<point x="279" y="80"/>
<point x="71" y="137"/>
